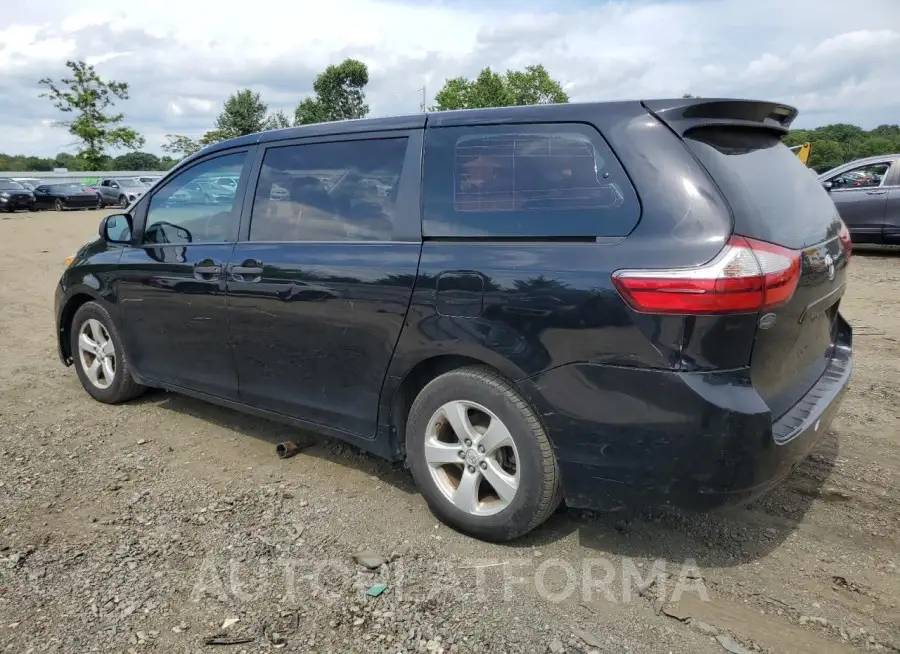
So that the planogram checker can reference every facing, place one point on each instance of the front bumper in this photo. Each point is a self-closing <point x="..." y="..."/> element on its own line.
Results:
<point x="633" y="438"/>
<point x="82" y="202"/>
<point x="13" y="202"/>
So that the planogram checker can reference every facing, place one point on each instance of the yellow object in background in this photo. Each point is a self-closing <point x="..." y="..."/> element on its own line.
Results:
<point x="802" y="151"/>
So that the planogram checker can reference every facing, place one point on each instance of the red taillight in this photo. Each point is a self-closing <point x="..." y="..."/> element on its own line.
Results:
<point x="747" y="276"/>
<point x="844" y="235"/>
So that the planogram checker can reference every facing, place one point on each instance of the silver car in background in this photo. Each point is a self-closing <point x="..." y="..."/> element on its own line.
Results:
<point x="866" y="193"/>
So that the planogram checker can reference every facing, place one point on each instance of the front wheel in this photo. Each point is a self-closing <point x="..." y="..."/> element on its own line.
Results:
<point x="480" y="455"/>
<point x="59" y="205"/>
<point x="100" y="359"/>
<point x="123" y="202"/>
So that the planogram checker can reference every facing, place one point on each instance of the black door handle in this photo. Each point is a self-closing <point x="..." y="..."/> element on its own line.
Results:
<point x="249" y="271"/>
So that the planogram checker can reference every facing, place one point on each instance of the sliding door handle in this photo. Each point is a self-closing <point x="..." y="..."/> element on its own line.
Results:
<point x="249" y="271"/>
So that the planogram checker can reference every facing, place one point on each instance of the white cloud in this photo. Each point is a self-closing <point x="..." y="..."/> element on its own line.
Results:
<point x="182" y="59"/>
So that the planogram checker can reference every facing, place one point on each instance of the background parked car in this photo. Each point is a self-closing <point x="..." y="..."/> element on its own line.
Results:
<point x="866" y="193"/>
<point x="15" y="196"/>
<point x="28" y="182"/>
<point x="70" y="195"/>
<point x="202" y="192"/>
<point x="227" y="182"/>
<point x="120" y="192"/>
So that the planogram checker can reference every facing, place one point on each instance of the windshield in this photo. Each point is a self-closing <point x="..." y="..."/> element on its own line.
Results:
<point x="130" y="183"/>
<point x="10" y="185"/>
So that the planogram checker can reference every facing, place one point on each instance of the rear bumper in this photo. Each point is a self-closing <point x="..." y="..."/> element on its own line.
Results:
<point x="627" y="437"/>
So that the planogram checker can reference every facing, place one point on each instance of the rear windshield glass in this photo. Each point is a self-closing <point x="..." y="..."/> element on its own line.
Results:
<point x="774" y="197"/>
<point x="67" y="188"/>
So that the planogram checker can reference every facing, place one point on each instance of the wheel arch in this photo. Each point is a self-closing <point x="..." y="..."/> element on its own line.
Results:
<point x="66" y="316"/>
<point x="421" y="373"/>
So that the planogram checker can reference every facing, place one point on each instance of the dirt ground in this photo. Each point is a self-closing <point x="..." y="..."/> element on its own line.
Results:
<point x="154" y="525"/>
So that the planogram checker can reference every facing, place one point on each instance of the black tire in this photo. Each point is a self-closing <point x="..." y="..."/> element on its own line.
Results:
<point x="539" y="492"/>
<point x="100" y="204"/>
<point x="123" y="387"/>
<point x="59" y="205"/>
<point x="123" y="202"/>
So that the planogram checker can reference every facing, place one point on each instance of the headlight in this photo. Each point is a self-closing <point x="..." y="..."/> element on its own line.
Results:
<point x="4" y="195"/>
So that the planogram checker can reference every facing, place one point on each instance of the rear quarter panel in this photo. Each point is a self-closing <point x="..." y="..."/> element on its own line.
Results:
<point x="546" y="303"/>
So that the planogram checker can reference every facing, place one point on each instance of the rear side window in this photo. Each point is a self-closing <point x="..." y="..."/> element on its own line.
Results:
<point x="338" y="191"/>
<point x="525" y="180"/>
<point x="773" y="196"/>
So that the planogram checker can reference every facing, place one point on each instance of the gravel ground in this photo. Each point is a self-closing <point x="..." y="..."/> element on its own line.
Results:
<point x="157" y="525"/>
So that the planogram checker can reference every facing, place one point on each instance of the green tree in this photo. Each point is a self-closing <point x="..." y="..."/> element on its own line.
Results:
<point x="490" y="89"/>
<point x="339" y="94"/>
<point x="136" y="161"/>
<point x="278" y="120"/>
<point x="90" y="99"/>
<point x="825" y="154"/>
<point x="833" y="145"/>
<point x="66" y="160"/>
<point x="182" y="146"/>
<point x="244" y="113"/>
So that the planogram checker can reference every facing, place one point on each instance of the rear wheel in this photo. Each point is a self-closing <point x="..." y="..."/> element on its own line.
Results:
<point x="100" y="360"/>
<point x="480" y="455"/>
<point x="99" y="201"/>
<point x="59" y="205"/>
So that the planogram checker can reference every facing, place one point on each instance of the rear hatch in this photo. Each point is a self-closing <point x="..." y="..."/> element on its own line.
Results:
<point x="776" y="199"/>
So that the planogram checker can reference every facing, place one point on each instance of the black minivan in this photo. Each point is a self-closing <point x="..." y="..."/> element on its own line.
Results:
<point x="618" y="304"/>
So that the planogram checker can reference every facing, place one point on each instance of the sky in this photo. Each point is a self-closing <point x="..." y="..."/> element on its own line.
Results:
<point x="835" y="60"/>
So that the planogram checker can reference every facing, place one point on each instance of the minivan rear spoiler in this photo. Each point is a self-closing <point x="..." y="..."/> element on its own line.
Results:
<point x="687" y="113"/>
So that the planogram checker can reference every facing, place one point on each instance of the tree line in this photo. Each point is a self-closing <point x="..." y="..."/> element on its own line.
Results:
<point x="339" y="93"/>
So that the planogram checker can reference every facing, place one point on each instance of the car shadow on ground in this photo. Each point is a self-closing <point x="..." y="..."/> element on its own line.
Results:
<point x="890" y="251"/>
<point x="312" y="444"/>
<point x="722" y="539"/>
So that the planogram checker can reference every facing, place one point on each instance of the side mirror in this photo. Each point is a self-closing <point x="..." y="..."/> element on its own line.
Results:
<point x="827" y="186"/>
<point x="116" y="228"/>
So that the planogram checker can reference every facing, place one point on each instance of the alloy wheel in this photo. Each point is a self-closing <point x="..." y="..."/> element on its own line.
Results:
<point x="97" y="353"/>
<point x="472" y="458"/>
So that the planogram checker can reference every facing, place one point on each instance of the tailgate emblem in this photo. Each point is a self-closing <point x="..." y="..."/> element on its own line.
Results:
<point x="829" y="265"/>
